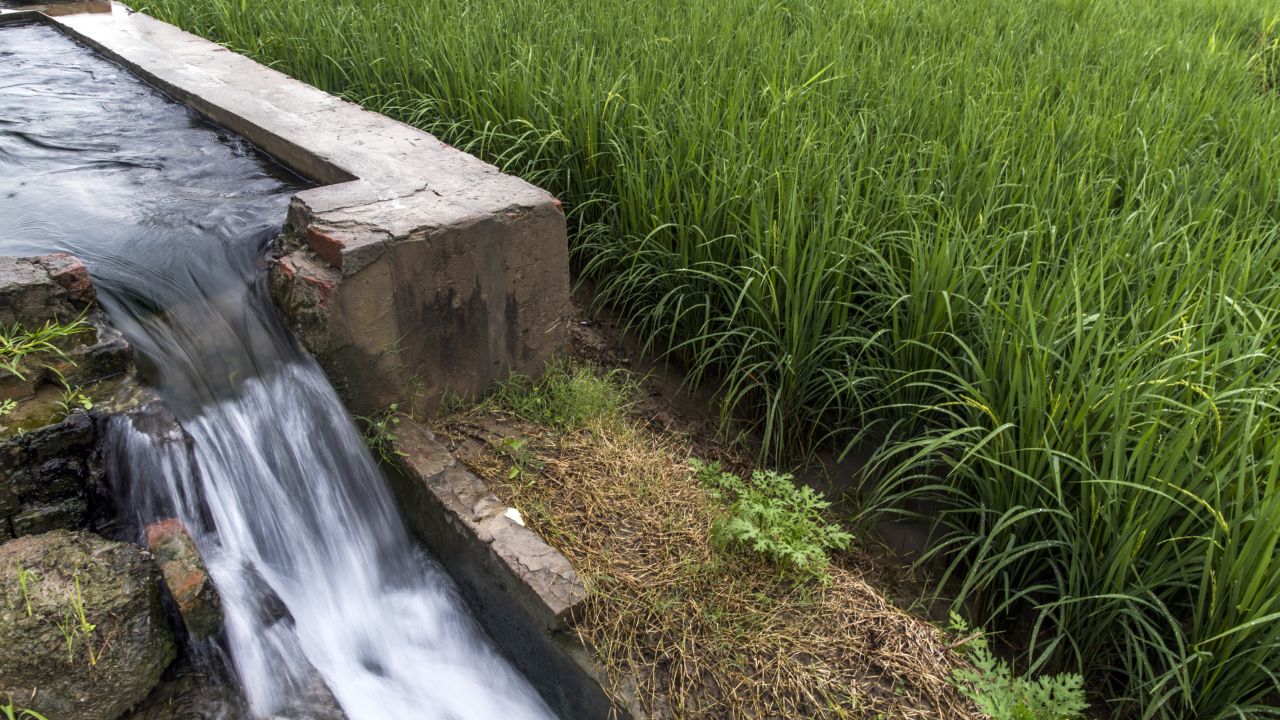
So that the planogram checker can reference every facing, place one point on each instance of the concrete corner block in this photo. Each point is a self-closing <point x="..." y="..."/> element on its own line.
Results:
<point x="426" y="297"/>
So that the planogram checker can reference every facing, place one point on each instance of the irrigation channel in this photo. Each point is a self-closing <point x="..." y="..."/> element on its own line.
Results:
<point x="174" y="217"/>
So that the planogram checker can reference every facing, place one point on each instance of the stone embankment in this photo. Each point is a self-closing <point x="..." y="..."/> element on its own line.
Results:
<point x="62" y="371"/>
<point x="85" y="621"/>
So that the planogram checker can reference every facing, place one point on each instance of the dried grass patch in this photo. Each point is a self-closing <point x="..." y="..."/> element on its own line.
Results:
<point x="703" y="632"/>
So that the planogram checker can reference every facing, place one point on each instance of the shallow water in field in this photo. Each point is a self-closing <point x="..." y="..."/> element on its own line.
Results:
<point x="174" y="217"/>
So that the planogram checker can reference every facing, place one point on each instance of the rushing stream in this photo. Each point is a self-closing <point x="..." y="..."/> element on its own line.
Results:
<point x="173" y="218"/>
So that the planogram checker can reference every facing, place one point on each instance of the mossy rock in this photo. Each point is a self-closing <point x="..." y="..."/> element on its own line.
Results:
<point x="65" y="668"/>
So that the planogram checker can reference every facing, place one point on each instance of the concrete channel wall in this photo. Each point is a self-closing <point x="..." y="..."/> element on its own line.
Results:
<point x="412" y="271"/>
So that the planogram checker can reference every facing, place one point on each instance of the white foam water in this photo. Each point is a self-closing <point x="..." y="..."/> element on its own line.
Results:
<point x="315" y="569"/>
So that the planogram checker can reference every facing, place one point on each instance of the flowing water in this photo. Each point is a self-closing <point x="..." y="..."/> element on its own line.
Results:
<point x="173" y="218"/>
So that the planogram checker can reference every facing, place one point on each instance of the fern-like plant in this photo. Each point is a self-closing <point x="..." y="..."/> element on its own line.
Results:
<point x="774" y="516"/>
<point x="993" y="687"/>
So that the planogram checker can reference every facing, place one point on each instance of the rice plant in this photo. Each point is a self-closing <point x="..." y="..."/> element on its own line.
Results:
<point x="1028" y="250"/>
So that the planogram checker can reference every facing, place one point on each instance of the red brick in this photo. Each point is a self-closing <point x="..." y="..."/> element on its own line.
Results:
<point x="327" y="245"/>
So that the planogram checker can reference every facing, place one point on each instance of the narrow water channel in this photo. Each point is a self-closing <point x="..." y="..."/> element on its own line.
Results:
<point x="173" y="218"/>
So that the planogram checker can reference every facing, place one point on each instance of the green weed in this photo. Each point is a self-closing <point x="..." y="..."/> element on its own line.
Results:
<point x="11" y="712"/>
<point x="75" y="626"/>
<point x="567" y="397"/>
<point x="773" y="515"/>
<point x="1002" y="695"/>
<point x="82" y="624"/>
<point x="73" y="397"/>
<point x="1267" y="59"/>
<point x="24" y="580"/>
<point x="380" y="434"/>
<point x="518" y="454"/>
<point x="18" y="343"/>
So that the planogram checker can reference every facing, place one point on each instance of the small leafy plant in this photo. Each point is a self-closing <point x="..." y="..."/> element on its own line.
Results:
<point x="776" y="517"/>
<point x="517" y="451"/>
<point x="993" y="687"/>
<point x="380" y="433"/>
<point x="73" y="397"/>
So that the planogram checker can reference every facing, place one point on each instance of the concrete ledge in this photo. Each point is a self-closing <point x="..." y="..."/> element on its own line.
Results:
<point x="531" y="572"/>
<point x="415" y="270"/>
<point x="524" y="591"/>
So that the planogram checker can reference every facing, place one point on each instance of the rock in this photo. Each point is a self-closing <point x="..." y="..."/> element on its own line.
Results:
<point x="187" y="578"/>
<point x="65" y="668"/>
<point x="314" y="702"/>
<point x="71" y="275"/>
<point x="36" y="519"/>
<point x="193" y="695"/>
<point x="35" y="290"/>
<point x="270" y="608"/>
<point x="10" y="502"/>
<point x="46" y="476"/>
<point x="71" y="436"/>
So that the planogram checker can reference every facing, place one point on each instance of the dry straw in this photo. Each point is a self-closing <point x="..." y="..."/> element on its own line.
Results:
<point x="704" y="632"/>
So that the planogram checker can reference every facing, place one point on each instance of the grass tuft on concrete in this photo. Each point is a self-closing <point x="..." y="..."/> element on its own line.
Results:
<point x="566" y="397"/>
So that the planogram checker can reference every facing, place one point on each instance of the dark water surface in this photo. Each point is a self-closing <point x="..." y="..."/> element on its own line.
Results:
<point x="173" y="217"/>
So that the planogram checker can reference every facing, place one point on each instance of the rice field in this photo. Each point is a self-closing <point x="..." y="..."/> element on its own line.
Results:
<point x="1026" y="249"/>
